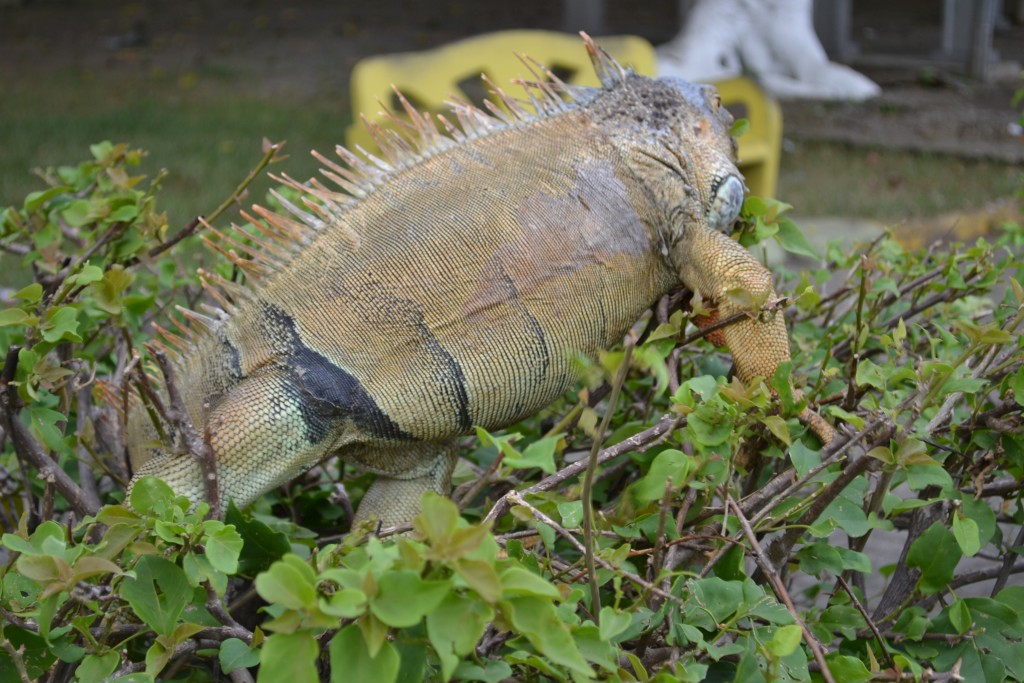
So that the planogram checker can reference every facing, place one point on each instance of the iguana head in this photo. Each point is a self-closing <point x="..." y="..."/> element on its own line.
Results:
<point x="678" y="134"/>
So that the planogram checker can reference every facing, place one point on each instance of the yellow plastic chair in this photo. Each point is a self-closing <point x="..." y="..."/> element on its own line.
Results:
<point x="431" y="77"/>
<point x="760" y="147"/>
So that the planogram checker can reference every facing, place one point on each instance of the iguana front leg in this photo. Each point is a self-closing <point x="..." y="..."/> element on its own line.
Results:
<point x="722" y="271"/>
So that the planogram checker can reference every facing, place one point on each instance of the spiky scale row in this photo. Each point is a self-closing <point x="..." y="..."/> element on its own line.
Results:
<point x="276" y="237"/>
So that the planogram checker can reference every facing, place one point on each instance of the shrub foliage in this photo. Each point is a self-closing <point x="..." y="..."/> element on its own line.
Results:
<point x="660" y="523"/>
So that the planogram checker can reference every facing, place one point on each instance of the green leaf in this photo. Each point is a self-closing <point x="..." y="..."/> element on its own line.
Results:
<point x="125" y="213"/>
<point x="493" y="671"/>
<point x="1017" y="384"/>
<point x="454" y="628"/>
<point x="785" y="641"/>
<point x="403" y="598"/>
<point x="519" y="581"/>
<point x="151" y="496"/>
<point x="920" y="476"/>
<point x="856" y="420"/>
<point x="96" y="668"/>
<point x="539" y="454"/>
<point x="869" y="374"/>
<point x="223" y="548"/>
<point x="351" y="660"/>
<point x="853" y="560"/>
<point x="739" y="127"/>
<point x="13" y="316"/>
<point x="936" y="553"/>
<point x="670" y="463"/>
<point x="110" y="289"/>
<point x="816" y="558"/>
<point x="710" y="425"/>
<point x="981" y="512"/>
<point x="538" y="620"/>
<point x="60" y="323"/>
<point x="87" y="275"/>
<point x="571" y="513"/>
<point x="286" y="584"/>
<point x="289" y="657"/>
<point x="437" y="519"/>
<point x="347" y="603"/>
<point x="777" y="426"/>
<point x="613" y="622"/>
<point x="43" y="569"/>
<point x="158" y="593"/>
<point x="89" y="566"/>
<point x="847" y="509"/>
<point x="79" y="212"/>
<point x="720" y="598"/>
<point x="804" y="459"/>
<point x="235" y="654"/>
<point x="848" y="669"/>
<point x="32" y="293"/>
<point x="262" y="546"/>
<point x="35" y="200"/>
<point x="792" y="239"/>
<point x="481" y="576"/>
<point x="965" y="530"/>
<point x="959" y="616"/>
<point x="594" y="648"/>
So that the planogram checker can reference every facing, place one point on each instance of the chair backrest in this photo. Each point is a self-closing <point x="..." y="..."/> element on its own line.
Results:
<point x="760" y="148"/>
<point x="429" y="78"/>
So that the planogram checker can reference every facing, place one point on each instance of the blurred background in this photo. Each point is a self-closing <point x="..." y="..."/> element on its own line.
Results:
<point x="199" y="84"/>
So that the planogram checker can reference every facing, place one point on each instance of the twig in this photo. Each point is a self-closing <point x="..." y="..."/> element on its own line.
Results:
<point x="197" y="447"/>
<point x="466" y="497"/>
<point x="193" y="225"/>
<point x="517" y="499"/>
<point x="86" y="463"/>
<point x="904" y="579"/>
<point x="15" y="654"/>
<point x="851" y="389"/>
<point x="587" y="494"/>
<point x="867" y="619"/>
<point x="216" y="608"/>
<point x="637" y="442"/>
<point x="674" y="556"/>
<point x="781" y="545"/>
<point x="660" y="538"/>
<point x="241" y="676"/>
<point x="780" y="591"/>
<point x="29" y="450"/>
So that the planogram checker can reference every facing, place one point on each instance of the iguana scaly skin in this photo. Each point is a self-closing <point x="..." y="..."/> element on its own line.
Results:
<point x="447" y="286"/>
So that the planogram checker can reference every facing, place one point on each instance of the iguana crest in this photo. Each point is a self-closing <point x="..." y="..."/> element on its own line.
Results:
<point x="277" y="238"/>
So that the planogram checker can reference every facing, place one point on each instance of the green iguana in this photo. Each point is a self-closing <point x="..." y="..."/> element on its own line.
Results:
<point x="444" y="288"/>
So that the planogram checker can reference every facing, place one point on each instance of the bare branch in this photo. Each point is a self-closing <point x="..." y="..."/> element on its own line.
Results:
<point x="780" y="591"/>
<point x="198" y="448"/>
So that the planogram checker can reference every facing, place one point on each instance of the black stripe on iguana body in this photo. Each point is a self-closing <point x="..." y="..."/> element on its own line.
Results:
<point x="449" y="283"/>
<point x="324" y="392"/>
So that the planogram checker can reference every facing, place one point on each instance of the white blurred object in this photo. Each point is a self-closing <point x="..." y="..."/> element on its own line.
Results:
<point x="772" y="40"/>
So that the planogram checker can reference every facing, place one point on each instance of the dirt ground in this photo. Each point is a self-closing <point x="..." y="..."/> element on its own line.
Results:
<point x="307" y="47"/>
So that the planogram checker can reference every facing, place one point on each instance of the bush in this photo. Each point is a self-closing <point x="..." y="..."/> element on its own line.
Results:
<point x="725" y="543"/>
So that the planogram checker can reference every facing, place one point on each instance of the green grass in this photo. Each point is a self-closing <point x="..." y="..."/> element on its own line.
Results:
<point x="823" y="179"/>
<point x="205" y="134"/>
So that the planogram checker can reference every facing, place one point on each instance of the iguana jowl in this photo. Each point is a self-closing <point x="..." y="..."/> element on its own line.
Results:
<point x="446" y="286"/>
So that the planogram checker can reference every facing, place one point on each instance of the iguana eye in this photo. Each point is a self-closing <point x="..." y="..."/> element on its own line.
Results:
<point x="726" y="202"/>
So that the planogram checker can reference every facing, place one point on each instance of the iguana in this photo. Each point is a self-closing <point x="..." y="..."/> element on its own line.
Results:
<point x="445" y="287"/>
